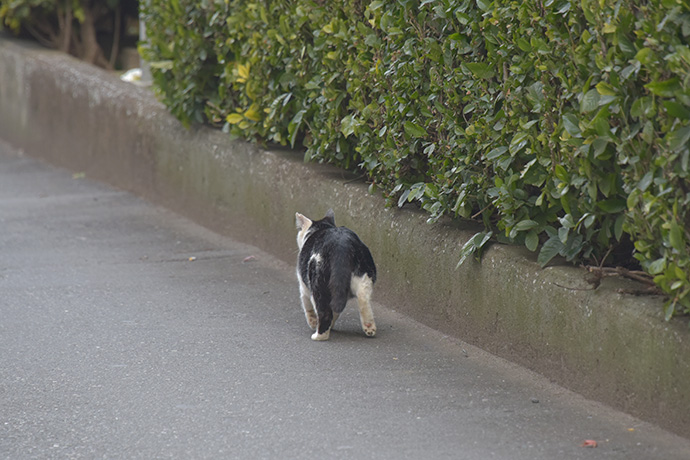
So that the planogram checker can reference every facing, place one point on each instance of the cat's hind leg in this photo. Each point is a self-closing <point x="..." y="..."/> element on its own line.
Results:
<point x="308" y="305"/>
<point x="362" y="287"/>
<point x="323" y="330"/>
<point x="325" y="316"/>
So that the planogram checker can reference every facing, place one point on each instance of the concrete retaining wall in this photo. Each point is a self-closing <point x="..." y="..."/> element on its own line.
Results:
<point x="607" y="346"/>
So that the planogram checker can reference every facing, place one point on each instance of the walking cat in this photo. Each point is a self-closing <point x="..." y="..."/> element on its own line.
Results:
<point x="333" y="266"/>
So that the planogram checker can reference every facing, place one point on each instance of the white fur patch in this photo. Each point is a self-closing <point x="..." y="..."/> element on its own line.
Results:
<point x="303" y="224"/>
<point x="316" y="258"/>
<point x="321" y="337"/>
<point x="307" y="304"/>
<point x="362" y="287"/>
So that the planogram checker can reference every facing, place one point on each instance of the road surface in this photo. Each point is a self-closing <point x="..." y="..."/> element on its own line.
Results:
<point x="129" y="332"/>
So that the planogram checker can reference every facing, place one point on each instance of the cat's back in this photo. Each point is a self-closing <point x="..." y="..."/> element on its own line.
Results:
<point x="338" y="238"/>
<point x="343" y="247"/>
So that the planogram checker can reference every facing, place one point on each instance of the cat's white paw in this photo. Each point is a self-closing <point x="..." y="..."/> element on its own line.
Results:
<point x="369" y="329"/>
<point x="312" y="320"/>
<point x="321" y="337"/>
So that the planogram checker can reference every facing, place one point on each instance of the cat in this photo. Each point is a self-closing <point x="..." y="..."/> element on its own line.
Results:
<point x="333" y="266"/>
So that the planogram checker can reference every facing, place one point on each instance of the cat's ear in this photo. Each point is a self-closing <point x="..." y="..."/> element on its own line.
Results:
<point x="302" y="222"/>
<point x="330" y="217"/>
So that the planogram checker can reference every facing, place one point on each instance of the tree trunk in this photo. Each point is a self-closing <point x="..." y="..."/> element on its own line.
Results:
<point x="65" y="22"/>
<point x="91" y="50"/>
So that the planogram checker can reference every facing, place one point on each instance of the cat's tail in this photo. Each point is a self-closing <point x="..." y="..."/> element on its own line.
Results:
<point x="339" y="284"/>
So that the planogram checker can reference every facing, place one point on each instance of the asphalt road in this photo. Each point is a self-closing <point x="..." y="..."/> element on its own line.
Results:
<point x="129" y="332"/>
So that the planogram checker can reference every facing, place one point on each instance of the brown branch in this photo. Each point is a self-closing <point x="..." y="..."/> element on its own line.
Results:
<point x="116" y="36"/>
<point x="480" y="212"/>
<point x="76" y="47"/>
<point x="601" y="264"/>
<point x="635" y="275"/>
<point x="48" y="42"/>
<point x="599" y="273"/>
<point x="66" y="28"/>
<point x="60" y="18"/>
<point x="91" y="50"/>
<point x="355" y="179"/>
<point x="652" y="290"/>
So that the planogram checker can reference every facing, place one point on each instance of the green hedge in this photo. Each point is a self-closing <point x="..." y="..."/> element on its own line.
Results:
<point x="563" y="125"/>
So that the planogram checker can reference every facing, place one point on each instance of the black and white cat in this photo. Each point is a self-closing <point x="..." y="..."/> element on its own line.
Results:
<point x="333" y="266"/>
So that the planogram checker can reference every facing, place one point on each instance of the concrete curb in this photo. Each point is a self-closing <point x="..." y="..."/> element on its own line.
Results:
<point x="607" y="346"/>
